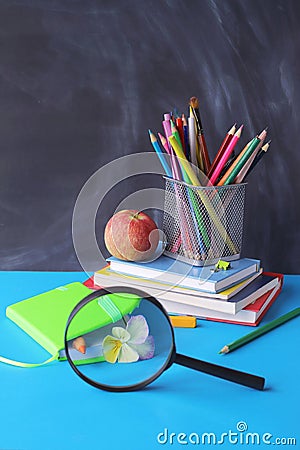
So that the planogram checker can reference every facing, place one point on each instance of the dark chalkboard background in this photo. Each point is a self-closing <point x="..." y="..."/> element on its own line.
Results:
<point x="82" y="81"/>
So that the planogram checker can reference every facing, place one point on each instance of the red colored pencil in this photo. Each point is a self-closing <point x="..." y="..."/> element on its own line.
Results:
<point x="226" y="155"/>
<point x="221" y="150"/>
<point x="179" y="125"/>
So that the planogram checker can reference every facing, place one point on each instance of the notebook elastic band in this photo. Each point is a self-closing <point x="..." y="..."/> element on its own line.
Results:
<point x="28" y="365"/>
<point x="110" y="308"/>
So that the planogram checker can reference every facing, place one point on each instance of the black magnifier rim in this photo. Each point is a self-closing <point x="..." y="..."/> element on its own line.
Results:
<point x="119" y="290"/>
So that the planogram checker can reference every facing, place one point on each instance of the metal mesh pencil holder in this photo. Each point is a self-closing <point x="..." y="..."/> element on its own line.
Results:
<point x="203" y="224"/>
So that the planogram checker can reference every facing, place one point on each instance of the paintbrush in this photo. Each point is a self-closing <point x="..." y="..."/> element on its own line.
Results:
<point x="194" y="105"/>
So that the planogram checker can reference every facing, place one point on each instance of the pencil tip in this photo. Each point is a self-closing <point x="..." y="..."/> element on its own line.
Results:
<point x="239" y="131"/>
<point x="266" y="146"/>
<point x="224" y="350"/>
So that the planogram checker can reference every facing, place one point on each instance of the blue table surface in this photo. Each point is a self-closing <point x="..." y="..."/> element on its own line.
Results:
<point x="51" y="408"/>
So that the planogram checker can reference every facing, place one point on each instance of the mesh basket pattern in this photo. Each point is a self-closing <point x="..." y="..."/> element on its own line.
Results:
<point x="203" y="224"/>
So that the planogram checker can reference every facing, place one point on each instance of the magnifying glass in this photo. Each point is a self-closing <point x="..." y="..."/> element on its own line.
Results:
<point x="122" y="339"/>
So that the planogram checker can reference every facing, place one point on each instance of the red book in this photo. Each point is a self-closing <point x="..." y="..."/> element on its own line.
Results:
<point x="253" y="313"/>
<point x="90" y="284"/>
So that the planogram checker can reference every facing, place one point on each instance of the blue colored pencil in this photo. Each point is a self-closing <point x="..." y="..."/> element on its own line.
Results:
<point x="186" y="138"/>
<point x="160" y="154"/>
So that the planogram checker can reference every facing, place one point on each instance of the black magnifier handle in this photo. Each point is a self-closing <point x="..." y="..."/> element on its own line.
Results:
<point x="247" y="379"/>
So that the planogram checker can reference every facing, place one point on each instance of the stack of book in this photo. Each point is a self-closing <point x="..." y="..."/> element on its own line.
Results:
<point x="241" y="294"/>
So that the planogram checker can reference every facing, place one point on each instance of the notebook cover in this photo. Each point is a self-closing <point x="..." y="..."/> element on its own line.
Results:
<point x="44" y="316"/>
<point x="201" y="277"/>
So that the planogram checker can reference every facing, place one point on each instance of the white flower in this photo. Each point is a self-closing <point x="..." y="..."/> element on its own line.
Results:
<point x="130" y="344"/>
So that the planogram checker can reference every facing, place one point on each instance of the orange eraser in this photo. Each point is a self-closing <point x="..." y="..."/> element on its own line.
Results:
<point x="183" y="321"/>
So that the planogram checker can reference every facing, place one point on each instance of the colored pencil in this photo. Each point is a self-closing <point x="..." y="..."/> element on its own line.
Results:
<point x="221" y="150"/>
<point x="79" y="344"/>
<point x="231" y="177"/>
<point x="228" y="164"/>
<point x="198" y="222"/>
<point x="233" y="165"/>
<point x="241" y="175"/>
<point x="207" y="204"/>
<point x="184" y="162"/>
<point x="190" y="177"/>
<point x="168" y="132"/>
<point x="184" y="237"/>
<point x="255" y="142"/>
<point x="194" y="104"/>
<point x="258" y="157"/>
<point x="167" y="127"/>
<point x="179" y="126"/>
<point x="226" y="155"/>
<point x="237" y="161"/>
<point x="260" y="331"/>
<point x="160" y="153"/>
<point x="186" y="138"/>
<point x="165" y="145"/>
<point x="193" y="141"/>
<point x="164" y="142"/>
<point x="175" y="133"/>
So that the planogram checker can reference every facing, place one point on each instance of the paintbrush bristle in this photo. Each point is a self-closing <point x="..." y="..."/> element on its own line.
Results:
<point x="194" y="102"/>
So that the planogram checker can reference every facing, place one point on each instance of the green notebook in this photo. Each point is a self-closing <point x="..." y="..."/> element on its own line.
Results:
<point x="44" y="316"/>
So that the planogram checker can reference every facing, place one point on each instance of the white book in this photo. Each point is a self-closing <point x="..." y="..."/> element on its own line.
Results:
<point x="261" y="285"/>
<point x="106" y="273"/>
<point x="245" y="316"/>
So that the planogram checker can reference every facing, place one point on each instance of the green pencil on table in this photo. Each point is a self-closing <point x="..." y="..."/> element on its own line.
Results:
<point x="260" y="331"/>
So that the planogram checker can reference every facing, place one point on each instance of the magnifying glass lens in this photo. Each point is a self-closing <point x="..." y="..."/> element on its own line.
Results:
<point x="119" y="341"/>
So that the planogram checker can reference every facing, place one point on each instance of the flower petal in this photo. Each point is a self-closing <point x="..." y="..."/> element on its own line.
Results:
<point x="127" y="354"/>
<point x="138" y="329"/>
<point x="145" y="350"/>
<point x="111" y="348"/>
<point x="121" y="333"/>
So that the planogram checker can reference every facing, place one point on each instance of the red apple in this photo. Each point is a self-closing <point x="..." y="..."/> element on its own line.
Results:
<point x="131" y="235"/>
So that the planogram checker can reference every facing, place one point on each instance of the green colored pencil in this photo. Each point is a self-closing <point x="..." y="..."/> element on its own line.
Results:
<point x="242" y="161"/>
<point x="262" y="330"/>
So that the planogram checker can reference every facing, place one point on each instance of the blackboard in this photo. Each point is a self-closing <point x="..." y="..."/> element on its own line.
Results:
<point x="82" y="81"/>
